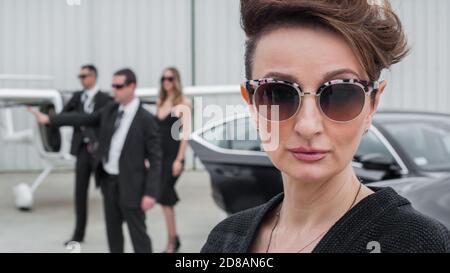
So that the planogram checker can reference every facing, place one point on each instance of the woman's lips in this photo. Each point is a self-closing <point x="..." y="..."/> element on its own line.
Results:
<point x="308" y="154"/>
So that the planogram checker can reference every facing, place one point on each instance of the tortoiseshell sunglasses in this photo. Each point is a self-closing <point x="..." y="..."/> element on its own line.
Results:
<point x="338" y="100"/>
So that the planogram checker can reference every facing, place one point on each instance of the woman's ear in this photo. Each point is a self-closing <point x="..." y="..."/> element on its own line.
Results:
<point x="376" y="103"/>
<point x="245" y="95"/>
<point x="254" y="115"/>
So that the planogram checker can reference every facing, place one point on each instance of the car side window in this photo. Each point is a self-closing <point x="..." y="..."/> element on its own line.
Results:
<point x="371" y="144"/>
<point x="217" y="136"/>
<point x="243" y="135"/>
<point x="237" y="134"/>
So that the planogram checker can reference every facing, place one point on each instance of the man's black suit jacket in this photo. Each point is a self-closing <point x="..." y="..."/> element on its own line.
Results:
<point x="75" y="105"/>
<point x="142" y="143"/>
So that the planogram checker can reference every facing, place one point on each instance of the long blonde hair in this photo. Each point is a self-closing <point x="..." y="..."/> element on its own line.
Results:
<point x="178" y="88"/>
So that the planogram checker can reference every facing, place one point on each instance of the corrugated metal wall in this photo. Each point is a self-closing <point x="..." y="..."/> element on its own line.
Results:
<point x="53" y="38"/>
<point x="420" y="81"/>
<point x="219" y="42"/>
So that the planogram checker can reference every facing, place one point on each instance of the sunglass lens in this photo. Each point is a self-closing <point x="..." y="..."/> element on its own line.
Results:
<point x="277" y="101"/>
<point x="342" y="102"/>
<point x="118" y="86"/>
<point x="170" y="79"/>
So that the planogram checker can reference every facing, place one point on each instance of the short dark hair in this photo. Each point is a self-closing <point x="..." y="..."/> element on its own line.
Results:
<point x="91" y="68"/>
<point x="373" y="31"/>
<point x="129" y="75"/>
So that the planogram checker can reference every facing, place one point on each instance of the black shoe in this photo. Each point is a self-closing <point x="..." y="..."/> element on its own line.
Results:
<point x="176" y="246"/>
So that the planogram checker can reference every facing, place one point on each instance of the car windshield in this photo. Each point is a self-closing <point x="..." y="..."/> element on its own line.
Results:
<point x="426" y="142"/>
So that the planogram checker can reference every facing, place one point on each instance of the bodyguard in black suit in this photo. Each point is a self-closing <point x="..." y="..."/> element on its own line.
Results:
<point x="128" y="138"/>
<point x="84" y="142"/>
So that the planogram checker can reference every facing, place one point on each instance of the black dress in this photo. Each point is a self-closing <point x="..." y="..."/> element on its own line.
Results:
<point x="167" y="195"/>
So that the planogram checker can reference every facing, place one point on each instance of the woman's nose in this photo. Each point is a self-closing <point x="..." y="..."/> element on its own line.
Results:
<point x="309" y="118"/>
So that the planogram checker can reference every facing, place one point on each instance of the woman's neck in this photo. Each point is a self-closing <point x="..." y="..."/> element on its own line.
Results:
<point x="170" y="94"/>
<point x="311" y="205"/>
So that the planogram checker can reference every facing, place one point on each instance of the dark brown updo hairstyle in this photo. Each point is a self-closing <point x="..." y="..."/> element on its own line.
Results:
<point x="372" y="29"/>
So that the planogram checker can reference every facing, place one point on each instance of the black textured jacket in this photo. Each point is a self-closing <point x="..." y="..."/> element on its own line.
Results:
<point x="383" y="222"/>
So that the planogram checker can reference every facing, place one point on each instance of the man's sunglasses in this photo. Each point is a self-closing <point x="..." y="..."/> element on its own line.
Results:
<point x="338" y="100"/>
<point x="83" y="76"/>
<point x="170" y="79"/>
<point x="119" y="86"/>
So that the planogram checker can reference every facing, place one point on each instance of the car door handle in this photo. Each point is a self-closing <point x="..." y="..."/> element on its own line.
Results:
<point x="228" y="173"/>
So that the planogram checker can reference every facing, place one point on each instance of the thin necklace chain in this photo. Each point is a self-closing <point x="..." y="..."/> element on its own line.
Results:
<point x="320" y="235"/>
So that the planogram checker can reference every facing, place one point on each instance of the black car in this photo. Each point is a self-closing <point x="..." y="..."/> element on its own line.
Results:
<point x="430" y="196"/>
<point x="398" y="145"/>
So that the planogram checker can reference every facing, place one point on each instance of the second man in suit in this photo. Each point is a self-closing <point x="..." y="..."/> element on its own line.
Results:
<point x="128" y="137"/>
<point x="84" y="142"/>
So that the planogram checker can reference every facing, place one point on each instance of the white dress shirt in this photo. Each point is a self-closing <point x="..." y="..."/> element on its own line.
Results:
<point x="118" y="139"/>
<point x="88" y="98"/>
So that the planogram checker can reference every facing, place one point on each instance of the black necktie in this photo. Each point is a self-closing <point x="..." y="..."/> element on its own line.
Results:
<point x="84" y="97"/>
<point x="118" y="120"/>
<point x="116" y="126"/>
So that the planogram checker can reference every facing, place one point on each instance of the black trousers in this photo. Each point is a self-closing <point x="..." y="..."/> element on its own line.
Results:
<point x="83" y="171"/>
<point x="116" y="215"/>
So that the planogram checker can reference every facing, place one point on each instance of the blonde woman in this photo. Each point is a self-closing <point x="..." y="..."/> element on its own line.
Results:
<point x="171" y="114"/>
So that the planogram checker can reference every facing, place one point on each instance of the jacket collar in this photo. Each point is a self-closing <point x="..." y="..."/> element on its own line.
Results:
<point x="348" y="227"/>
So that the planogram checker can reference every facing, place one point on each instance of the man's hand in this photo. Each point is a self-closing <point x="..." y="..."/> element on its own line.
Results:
<point x="147" y="203"/>
<point x="40" y="117"/>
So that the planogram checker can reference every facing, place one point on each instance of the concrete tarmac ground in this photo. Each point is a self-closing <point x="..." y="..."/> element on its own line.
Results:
<point x="51" y="221"/>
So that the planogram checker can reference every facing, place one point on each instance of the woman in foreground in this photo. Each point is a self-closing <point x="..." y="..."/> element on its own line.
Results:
<point x="313" y="70"/>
